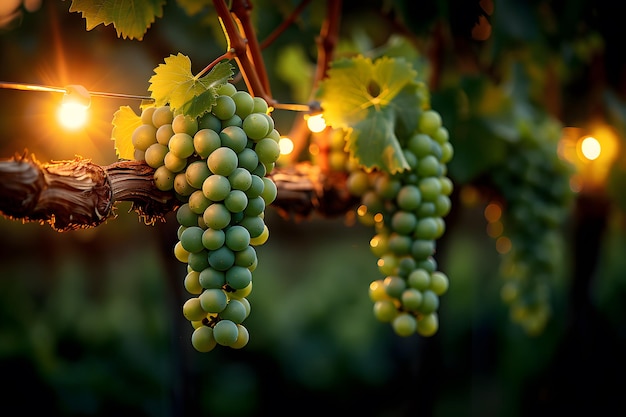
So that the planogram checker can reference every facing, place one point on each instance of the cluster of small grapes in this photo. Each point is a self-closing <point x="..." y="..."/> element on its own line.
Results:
<point x="216" y="165"/>
<point x="407" y="210"/>
<point x="534" y="184"/>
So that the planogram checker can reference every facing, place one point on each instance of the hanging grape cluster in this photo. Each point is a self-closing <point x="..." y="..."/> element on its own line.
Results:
<point x="217" y="165"/>
<point x="534" y="184"/>
<point x="407" y="210"/>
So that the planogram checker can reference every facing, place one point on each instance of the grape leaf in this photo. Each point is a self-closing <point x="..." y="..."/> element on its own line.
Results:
<point x="174" y="84"/>
<point x="131" y="18"/>
<point x="371" y="99"/>
<point x="125" y="121"/>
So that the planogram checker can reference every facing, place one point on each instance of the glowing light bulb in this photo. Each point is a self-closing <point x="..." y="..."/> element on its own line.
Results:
<point x="316" y="123"/>
<point x="72" y="115"/>
<point x="286" y="146"/>
<point x="591" y="148"/>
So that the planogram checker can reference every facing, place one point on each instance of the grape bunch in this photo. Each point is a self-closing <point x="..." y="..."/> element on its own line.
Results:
<point x="406" y="210"/>
<point x="534" y="184"/>
<point x="217" y="166"/>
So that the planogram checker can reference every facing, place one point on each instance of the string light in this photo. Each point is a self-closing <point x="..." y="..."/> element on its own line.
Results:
<point x="73" y="110"/>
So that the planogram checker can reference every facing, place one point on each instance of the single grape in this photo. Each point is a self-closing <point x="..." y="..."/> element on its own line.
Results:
<point x="181" y="145"/>
<point x="213" y="239"/>
<point x="242" y="337"/>
<point x="143" y="136"/>
<point x="192" y="283"/>
<point x="216" y="216"/>
<point x="429" y="122"/>
<point x="164" y="178"/>
<point x="196" y="173"/>
<point x="162" y="116"/>
<point x="235" y="311"/>
<point x="244" y="102"/>
<point x="216" y="187"/>
<point x="211" y="278"/>
<point x="192" y="309"/>
<point x="225" y="332"/>
<point x="404" y="324"/>
<point x="236" y="201"/>
<point x="185" y="124"/>
<point x="213" y="300"/>
<point x="164" y="133"/>
<point x="155" y="155"/>
<point x="237" y="238"/>
<point x="256" y="126"/>
<point x="222" y="259"/>
<point x="234" y="138"/>
<point x="202" y="339"/>
<point x="146" y="115"/>
<point x="191" y="239"/>
<point x="224" y="107"/>
<point x="206" y="141"/>
<point x="222" y="161"/>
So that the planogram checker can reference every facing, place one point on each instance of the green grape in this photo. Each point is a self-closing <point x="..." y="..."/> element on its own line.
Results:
<point x="248" y="160"/>
<point x="196" y="173"/>
<point x="429" y="122"/>
<point x="237" y="238"/>
<point x="428" y="166"/>
<point x="222" y="161"/>
<point x="236" y="201"/>
<point x="242" y="337"/>
<point x="202" y="339"/>
<point x="256" y="126"/>
<point x="260" y="105"/>
<point x="430" y="187"/>
<point x="185" y="124"/>
<point x="411" y="299"/>
<point x="143" y="136"/>
<point x="404" y="324"/>
<point x="216" y="187"/>
<point x="191" y="239"/>
<point x="213" y="239"/>
<point x="240" y="179"/>
<point x="385" y="310"/>
<point x="213" y="300"/>
<point x="225" y="332"/>
<point x="174" y="163"/>
<point x="224" y="107"/>
<point x="255" y="206"/>
<point x="426" y="228"/>
<point x="403" y="222"/>
<point x="238" y="277"/>
<point x="244" y="103"/>
<point x="164" y="133"/>
<point x="181" y="186"/>
<point x="235" y="311"/>
<point x="162" y="116"/>
<point x="439" y="282"/>
<point x="192" y="309"/>
<point x="164" y="178"/>
<point x="254" y="224"/>
<point x="234" y="137"/>
<point x="409" y="197"/>
<point x="257" y="186"/>
<point x="192" y="283"/>
<point x="246" y="257"/>
<point x="216" y="216"/>
<point x="205" y="141"/>
<point x="181" y="145"/>
<point x="222" y="259"/>
<point x="268" y="150"/>
<point x="155" y="155"/>
<point x="185" y="216"/>
<point x="394" y="286"/>
<point x="146" y="115"/>
<point x="430" y="302"/>
<point x="211" y="278"/>
<point x="233" y="121"/>
<point x="198" y="202"/>
<point x="227" y="89"/>
<point x="270" y="192"/>
<point x="197" y="261"/>
<point x="428" y="324"/>
<point x="209" y="121"/>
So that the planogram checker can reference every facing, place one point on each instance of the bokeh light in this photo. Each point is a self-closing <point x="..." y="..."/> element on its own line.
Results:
<point x="316" y="123"/>
<point x="72" y="115"/>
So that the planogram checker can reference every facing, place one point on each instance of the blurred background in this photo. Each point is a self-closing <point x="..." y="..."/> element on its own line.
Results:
<point x="91" y="322"/>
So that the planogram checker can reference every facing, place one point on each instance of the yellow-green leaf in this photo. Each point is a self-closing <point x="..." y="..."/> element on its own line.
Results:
<point x="131" y="18"/>
<point x="125" y="121"/>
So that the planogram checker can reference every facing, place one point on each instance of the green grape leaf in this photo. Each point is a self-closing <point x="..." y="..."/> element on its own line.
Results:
<point x="131" y="18"/>
<point x="174" y="84"/>
<point x="125" y="121"/>
<point x="371" y="99"/>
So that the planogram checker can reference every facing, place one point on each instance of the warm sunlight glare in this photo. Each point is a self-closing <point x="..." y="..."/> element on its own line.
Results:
<point x="590" y="148"/>
<point x="286" y="146"/>
<point x="72" y="115"/>
<point x="316" y="123"/>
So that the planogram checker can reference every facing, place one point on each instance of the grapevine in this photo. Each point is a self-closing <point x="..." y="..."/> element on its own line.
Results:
<point x="216" y="160"/>
<point x="403" y="188"/>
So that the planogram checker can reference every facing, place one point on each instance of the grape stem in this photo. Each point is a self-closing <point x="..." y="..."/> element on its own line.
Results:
<point x="79" y="194"/>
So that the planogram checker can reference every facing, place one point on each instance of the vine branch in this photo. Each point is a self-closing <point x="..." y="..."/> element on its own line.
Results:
<point x="79" y="194"/>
